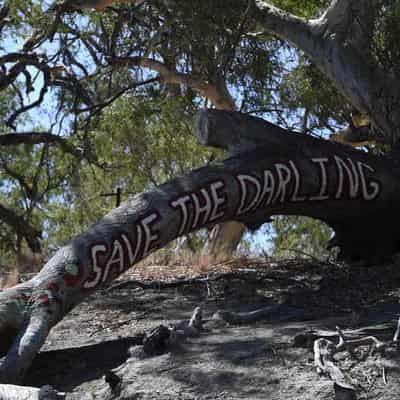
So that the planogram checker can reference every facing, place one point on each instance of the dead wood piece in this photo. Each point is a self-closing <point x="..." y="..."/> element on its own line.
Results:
<point x="233" y="318"/>
<point x="161" y="339"/>
<point x="196" y="321"/>
<point x="187" y="329"/>
<point x="14" y="392"/>
<point x="342" y="393"/>
<point x="324" y="351"/>
<point x="112" y="379"/>
<point x="156" y="341"/>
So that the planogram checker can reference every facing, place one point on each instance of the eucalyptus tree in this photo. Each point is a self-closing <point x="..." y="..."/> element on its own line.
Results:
<point x="337" y="61"/>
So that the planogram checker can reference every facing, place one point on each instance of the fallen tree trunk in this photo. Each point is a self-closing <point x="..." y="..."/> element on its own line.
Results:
<point x="276" y="172"/>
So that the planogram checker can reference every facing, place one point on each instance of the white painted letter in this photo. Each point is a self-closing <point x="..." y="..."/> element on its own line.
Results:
<point x="324" y="179"/>
<point x="117" y="257"/>
<point x="198" y="209"/>
<point x="149" y="235"/>
<point x="133" y="256"/>
<point x="374" y="185"/>
<point x="352" y="176"/>
<point x="295" y="195"/>
<point x="217" y="201"/>
<point x="284" y="176"/>
<point x="96" y="268"/>
<point x="182" y="204"/>
<point x="243" y="208"/>
<point x="269" y="187"/>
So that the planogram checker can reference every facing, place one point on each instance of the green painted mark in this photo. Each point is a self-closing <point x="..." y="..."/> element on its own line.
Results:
<point x="72" y="269"/>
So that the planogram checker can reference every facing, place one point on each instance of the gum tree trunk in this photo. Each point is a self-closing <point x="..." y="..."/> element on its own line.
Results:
<point x="273" y="172"/>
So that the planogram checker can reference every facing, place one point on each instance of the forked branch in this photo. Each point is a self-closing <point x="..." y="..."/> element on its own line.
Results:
<point x="217" y="94"/>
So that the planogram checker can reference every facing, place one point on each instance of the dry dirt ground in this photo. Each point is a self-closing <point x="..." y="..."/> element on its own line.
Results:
<point x="261" y="360"/>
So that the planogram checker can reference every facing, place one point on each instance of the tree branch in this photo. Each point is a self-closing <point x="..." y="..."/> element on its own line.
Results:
<point x="336" y="19"/>
<point x="370" y="89"/>
<point x="325" y="350"/>
<point x="279" y="173"/>
<point x="32" y="138"/>
<point x="220" y="98"/>
<point x="97" y="108"/>
<point x="348" y="20"/>
<point x="286" y="25"/>
<point x="355" y="136"/>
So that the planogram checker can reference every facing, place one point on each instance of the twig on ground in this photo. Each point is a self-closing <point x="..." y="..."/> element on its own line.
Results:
<point x="324" y="351"/>
<point x="384" y="375"/>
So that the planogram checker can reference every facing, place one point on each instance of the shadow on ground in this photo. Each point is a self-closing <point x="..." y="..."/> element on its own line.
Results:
<point x="226" y="362"/>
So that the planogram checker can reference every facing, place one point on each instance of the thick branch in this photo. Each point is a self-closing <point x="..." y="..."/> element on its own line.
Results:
<point x="350" y="21"/>
<point x="32" y="138"/>
<point x="356" y="137"/>
<point x="371" y="90"/>
<point x="220" y="98"/>
<point x="283" y="173"/>
<point x="336" y="19"/>
<point x="285" y="25"/>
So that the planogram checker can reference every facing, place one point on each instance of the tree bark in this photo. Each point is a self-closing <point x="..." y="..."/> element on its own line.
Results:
<point x="340" y="48"/>
<point x="32" y="138"/>
<point x="279" y="172"/>
<point x="221" y="99"/>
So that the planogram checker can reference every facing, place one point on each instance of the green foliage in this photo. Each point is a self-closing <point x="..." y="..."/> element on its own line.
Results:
<point x="302" y="8"/>
<point x="305" y="89"/>
<point x="140" y="137"/>
<point x="386" y="46"/>
<point x="300" y="237"/>
<point x="142" y="143"/>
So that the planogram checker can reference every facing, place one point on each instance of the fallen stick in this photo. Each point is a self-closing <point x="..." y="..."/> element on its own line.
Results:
<point x="325" y="350"/>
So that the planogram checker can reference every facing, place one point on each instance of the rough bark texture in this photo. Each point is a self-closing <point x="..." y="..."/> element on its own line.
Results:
<point x="215" y="92"/>
<point x="339" y="43"/>
<point x="351" y="223"/>
<point x="280" y="173"/>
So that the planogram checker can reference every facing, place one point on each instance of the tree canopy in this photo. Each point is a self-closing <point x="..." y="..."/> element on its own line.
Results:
<point x="92" y="101"/>
<point x="98" y="99"/>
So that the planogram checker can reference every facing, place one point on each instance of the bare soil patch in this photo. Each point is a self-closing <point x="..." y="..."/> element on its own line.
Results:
<point x="265" y="359"/>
